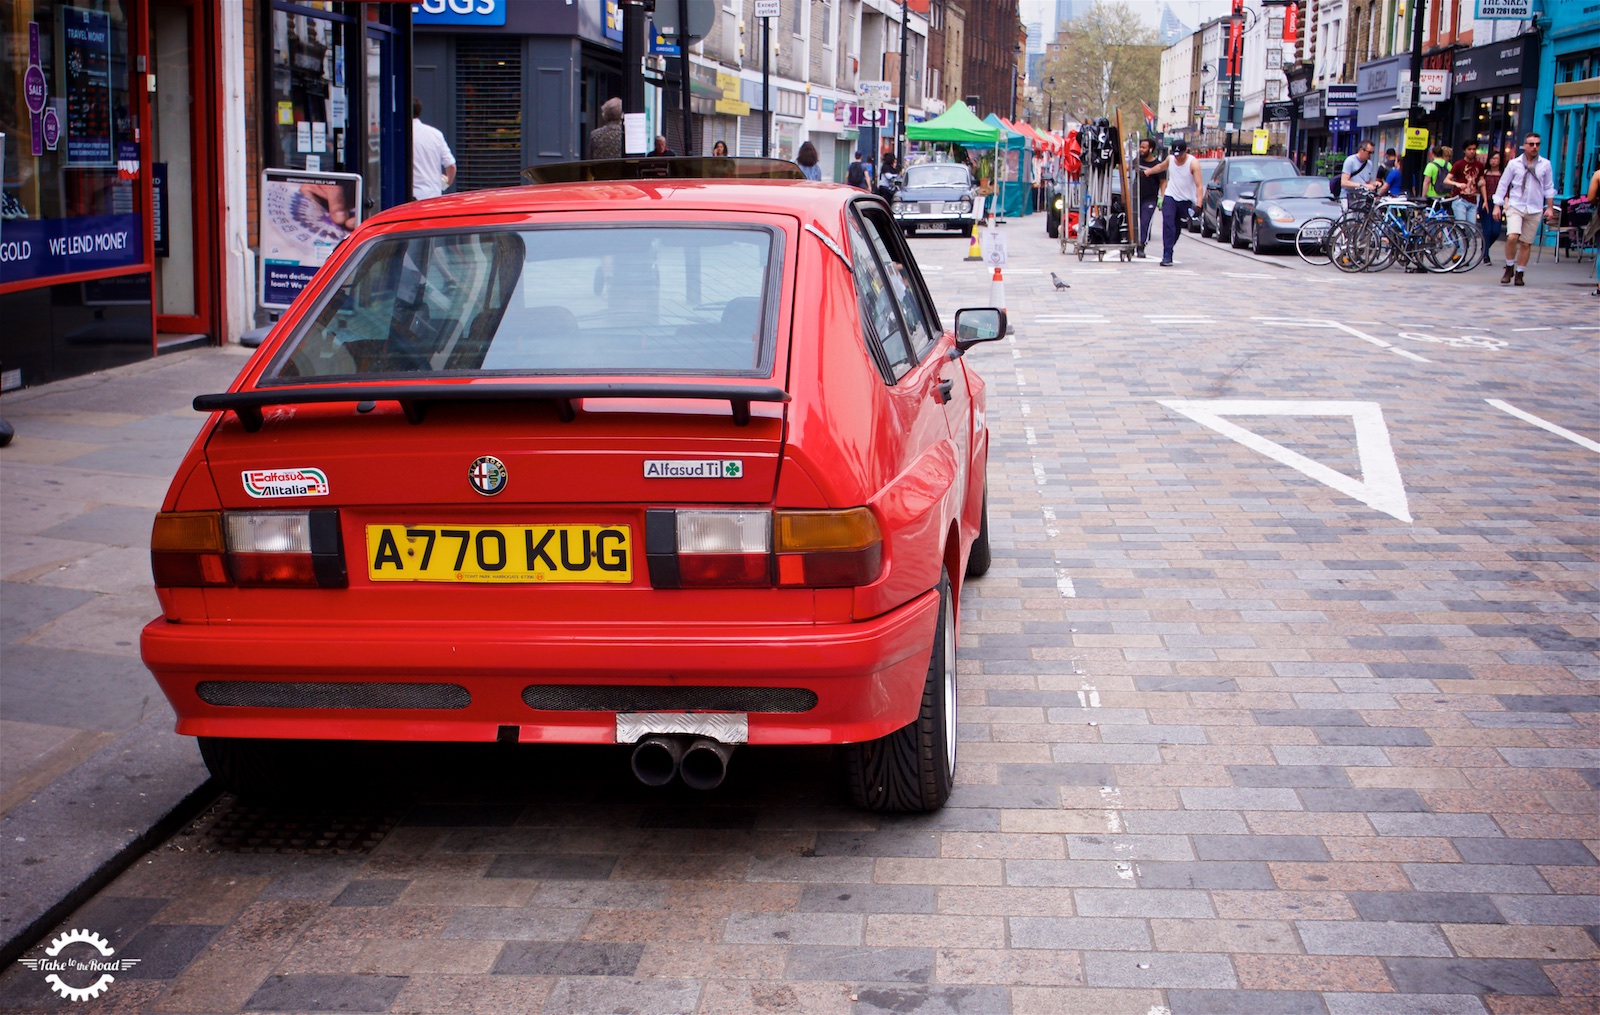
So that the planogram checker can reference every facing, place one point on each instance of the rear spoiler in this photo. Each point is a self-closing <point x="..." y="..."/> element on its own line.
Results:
<point x="414" y="398"/>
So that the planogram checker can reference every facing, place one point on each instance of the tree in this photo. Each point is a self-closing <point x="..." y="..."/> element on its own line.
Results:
<point x="1107" y="59"/>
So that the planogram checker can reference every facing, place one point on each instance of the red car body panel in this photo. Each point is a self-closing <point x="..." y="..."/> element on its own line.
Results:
<point x="845" y="439"/>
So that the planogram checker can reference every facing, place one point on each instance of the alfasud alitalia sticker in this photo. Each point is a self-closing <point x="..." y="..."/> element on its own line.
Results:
<point x="264" y="484"/>
<point x="730" y="468"/>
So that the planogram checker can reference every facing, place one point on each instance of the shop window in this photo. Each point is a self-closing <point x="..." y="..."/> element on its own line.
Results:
<point x="310" y="94"/>
<point x="72" y="152"/>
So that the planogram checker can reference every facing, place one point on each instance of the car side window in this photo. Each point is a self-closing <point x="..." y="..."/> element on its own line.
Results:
<point x="902" y="282"/>
<point x="878" y="310"/>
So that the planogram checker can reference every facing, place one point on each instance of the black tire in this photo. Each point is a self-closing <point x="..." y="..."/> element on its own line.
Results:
<point x="1205" y="230"/>
<point x="980" y="557"/>
<point x="912" y="769"/>
<point x="1224" y="229"/>
<point x="1052" y="228"/>
<point x="1235" y="240"/>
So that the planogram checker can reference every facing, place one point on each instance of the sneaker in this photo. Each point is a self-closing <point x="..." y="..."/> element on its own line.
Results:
<point x="1505" y="277"/>
<point x="1166" y="264"/>
<point x="1139" y="253"/>
<point x="1519" y="279"/>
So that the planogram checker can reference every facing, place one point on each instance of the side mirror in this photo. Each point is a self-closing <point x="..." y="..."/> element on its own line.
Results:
<point x="978" y="324"/>
<point x="1213" y="186"/>
<point x="1248" y="195"/>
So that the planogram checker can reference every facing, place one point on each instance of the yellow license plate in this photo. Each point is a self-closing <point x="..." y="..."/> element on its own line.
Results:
<point x="500" y="553"/>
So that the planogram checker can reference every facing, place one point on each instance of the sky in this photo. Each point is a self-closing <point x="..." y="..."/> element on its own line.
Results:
<point x="1190" y="12"/>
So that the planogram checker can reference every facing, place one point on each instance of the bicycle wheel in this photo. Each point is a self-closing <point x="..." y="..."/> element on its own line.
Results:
<point x="1444" y="246"/>
<point x="1346" y="249"/>
<point x="1380" y="245"/>
<point x="1313" y="240"/>
<point x="1474" y="254"/>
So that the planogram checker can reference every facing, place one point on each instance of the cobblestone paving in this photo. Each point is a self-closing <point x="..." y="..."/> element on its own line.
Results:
<point x="1232" y="739"/>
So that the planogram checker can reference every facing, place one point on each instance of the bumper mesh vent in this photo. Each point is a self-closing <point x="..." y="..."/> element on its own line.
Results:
<point x="287" y="694"/>
<point x="631" y="698"/>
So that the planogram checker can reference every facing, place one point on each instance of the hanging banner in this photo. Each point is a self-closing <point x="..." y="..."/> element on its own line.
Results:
<point x="1291" y="23"/>
<point x="304" y="216"/>
<point x="86" y="53"/>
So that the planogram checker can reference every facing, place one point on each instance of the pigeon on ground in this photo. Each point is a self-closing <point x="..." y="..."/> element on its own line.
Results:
<point x="1057" y="280"/>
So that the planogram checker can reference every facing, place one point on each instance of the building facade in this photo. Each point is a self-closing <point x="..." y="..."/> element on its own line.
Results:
<point x="1568" y="99"/>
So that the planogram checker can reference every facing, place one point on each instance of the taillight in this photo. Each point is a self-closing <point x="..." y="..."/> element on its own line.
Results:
<point x="248" y="548"/>
<point x="749" y="548"/>
<point x="818" y="549"/>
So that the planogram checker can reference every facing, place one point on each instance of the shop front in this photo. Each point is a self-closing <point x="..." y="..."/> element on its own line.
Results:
<point x="109" y="213"/>
<point x="1381" y="115"/>
<point x="1494" y="90"/>
<point x="1569" y="98"/>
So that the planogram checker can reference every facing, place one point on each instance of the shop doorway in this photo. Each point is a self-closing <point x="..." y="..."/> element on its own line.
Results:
<point x="182" y="140"/>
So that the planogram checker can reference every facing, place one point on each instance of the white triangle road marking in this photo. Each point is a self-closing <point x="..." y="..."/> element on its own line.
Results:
<point x="1380" y="486"/>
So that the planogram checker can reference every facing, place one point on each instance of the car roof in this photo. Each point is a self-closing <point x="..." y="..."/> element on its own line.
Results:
<point x="804" y="199"/>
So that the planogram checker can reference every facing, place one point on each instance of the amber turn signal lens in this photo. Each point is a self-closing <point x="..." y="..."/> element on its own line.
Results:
<point x="187" y="531"/>
<point x="811" y="531"/>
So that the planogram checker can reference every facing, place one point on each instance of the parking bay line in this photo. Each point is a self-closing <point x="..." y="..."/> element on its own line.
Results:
<point x="1408" y="354"/>
<point x="1544" y="424"/>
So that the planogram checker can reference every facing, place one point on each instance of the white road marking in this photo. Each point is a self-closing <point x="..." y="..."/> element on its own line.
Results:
<point x="1320" y="323"/>
<point x="1064" y="584"/>
<point x="1038" y="474"/>
<point x="1584" y="327"/>
<point x="1408" y="354"/>
<point x="1545" y="424"/>
<point x="1533" y="329"/>
<point x="1032" y="437"/>
<point x="1025" y="409"/>
<point x="1380" y="486"/>
<point x="1247" y="274"/>
<point x="1021" y="380"/>
<point x="1049" y="514"/>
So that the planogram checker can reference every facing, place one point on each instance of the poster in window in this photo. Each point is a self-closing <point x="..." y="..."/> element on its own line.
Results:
<point x="86" y="68"/>
<point x="304" y="216"/>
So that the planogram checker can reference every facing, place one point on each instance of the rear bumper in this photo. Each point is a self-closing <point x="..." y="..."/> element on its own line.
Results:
<point x="867" y="676"/>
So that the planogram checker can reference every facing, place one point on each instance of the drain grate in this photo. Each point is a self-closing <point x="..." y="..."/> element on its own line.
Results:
<point x="232" y="825"/>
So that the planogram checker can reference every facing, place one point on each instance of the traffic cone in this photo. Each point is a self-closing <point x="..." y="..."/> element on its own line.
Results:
<point x="997" y="295"/>
<point x="974" y="252"/>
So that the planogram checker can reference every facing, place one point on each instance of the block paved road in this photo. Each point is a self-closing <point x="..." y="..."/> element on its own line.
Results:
<point x="1280" y="697"/>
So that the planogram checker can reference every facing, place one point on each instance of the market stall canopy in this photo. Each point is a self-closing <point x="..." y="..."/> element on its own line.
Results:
<point x="955" y="124"/>
<point x="1009" y="139"/>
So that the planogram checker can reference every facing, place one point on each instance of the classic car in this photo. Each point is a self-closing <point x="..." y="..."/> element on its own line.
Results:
<point x="937" y="195"/>
<point x="675" y="455"/>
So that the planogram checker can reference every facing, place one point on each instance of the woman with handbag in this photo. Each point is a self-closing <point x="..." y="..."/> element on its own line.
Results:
<point x="1488" y="183"/>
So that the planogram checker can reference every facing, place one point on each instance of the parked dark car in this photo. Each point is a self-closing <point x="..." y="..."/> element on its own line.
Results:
<point x="1207" y="167"/>
<point x="938" y="195"/>
<point x="1231" y="178"/>
<point x="1270" y="213"/>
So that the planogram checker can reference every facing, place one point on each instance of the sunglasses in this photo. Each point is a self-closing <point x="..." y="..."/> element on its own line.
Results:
<point x="1530" y="144"/>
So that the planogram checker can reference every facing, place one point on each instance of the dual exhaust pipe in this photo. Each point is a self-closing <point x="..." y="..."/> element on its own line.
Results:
<point x="701" y="762"/>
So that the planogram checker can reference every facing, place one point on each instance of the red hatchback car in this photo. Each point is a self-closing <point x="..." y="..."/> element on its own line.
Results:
<point x="670" y="456"/>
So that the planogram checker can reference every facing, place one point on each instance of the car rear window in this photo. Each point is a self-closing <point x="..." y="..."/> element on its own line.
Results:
<point x="679" y="300"/>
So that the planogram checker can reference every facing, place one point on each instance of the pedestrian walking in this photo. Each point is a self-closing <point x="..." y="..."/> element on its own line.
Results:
<point x="1391" y="175"/>
<point x="1464" y="177"/>
<point x="1360" y="172"/>
<point x="605" y="141"/>
<point x="806" y="158"/>
<point x="1526" y="193"/>
<point x="1591" y="234"/>
<point x="1493" y="168"/>
<point x="1182" y="190"/>
<point x="433" y="168"/>
<point x="1149" y="190"/>
<point x="1435" y="173"/>
<point x="856" y="175"/>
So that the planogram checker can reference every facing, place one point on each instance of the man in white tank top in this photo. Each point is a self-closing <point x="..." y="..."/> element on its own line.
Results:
<point x="1183" y="190"/>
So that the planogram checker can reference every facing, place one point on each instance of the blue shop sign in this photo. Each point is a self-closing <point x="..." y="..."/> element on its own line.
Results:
<point x="459" y="12"/>
<point x="40" y="248"/>
<point x="1341" y="124"/>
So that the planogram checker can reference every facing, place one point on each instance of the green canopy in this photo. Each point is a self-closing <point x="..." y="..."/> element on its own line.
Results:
<point x="955" y="124"/>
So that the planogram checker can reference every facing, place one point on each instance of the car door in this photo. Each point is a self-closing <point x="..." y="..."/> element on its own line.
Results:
<point x="925" y="386"/>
